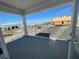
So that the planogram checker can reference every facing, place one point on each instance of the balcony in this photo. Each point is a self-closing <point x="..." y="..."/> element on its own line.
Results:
<point x="55" y="42"/>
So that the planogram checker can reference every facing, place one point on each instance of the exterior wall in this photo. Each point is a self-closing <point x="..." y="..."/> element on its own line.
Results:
<point x="57" y="23"/>
<point x="62" y="20"/>
<point x="8" y="29"/>
<point x="67" y="22"/>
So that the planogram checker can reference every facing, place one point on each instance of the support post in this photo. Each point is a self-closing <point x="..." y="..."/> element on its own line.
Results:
<point x="74" y="19"/>
<point x="3" y="45"/>
<point x="73" y="28"/>
<point x="24" y="24"/>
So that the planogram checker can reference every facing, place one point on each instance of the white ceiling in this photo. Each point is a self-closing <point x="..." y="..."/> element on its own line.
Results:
<point x="15" y="6"/>
<point x="22" y="4"/>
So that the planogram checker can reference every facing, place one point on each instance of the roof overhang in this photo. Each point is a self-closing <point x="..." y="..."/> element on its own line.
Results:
<point x="15" y="9"/>
<point x="10" y="9"/>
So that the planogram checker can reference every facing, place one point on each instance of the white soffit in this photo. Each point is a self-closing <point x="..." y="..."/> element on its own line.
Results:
<point x="29" y="6"/>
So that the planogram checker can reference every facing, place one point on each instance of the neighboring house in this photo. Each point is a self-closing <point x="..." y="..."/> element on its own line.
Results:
<point x="65" y="20"/>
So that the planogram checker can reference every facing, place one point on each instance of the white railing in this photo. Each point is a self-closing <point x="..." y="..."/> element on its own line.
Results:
<point x="58" y="33"/>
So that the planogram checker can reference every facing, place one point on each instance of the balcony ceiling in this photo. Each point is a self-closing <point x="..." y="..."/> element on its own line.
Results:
<point x="28" y="6"/>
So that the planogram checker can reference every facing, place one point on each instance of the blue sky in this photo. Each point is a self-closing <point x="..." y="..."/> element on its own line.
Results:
<point x="39" y="17"/>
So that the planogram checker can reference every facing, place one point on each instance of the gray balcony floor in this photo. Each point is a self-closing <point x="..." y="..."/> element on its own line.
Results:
<point x="29" y="47"/>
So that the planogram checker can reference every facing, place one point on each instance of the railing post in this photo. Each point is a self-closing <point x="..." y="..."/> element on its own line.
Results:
<point x="73" y="28"/>
<point x="4" y="48"/>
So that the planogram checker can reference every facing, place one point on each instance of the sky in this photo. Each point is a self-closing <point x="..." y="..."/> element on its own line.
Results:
<point x="38" y="17"/>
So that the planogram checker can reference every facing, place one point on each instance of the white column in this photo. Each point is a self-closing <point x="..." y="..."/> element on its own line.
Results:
<point x="73" y="29"/>
<point x="24" y="24"/>
<point x="4" y="48"/>
<point x="74" y="19"/>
